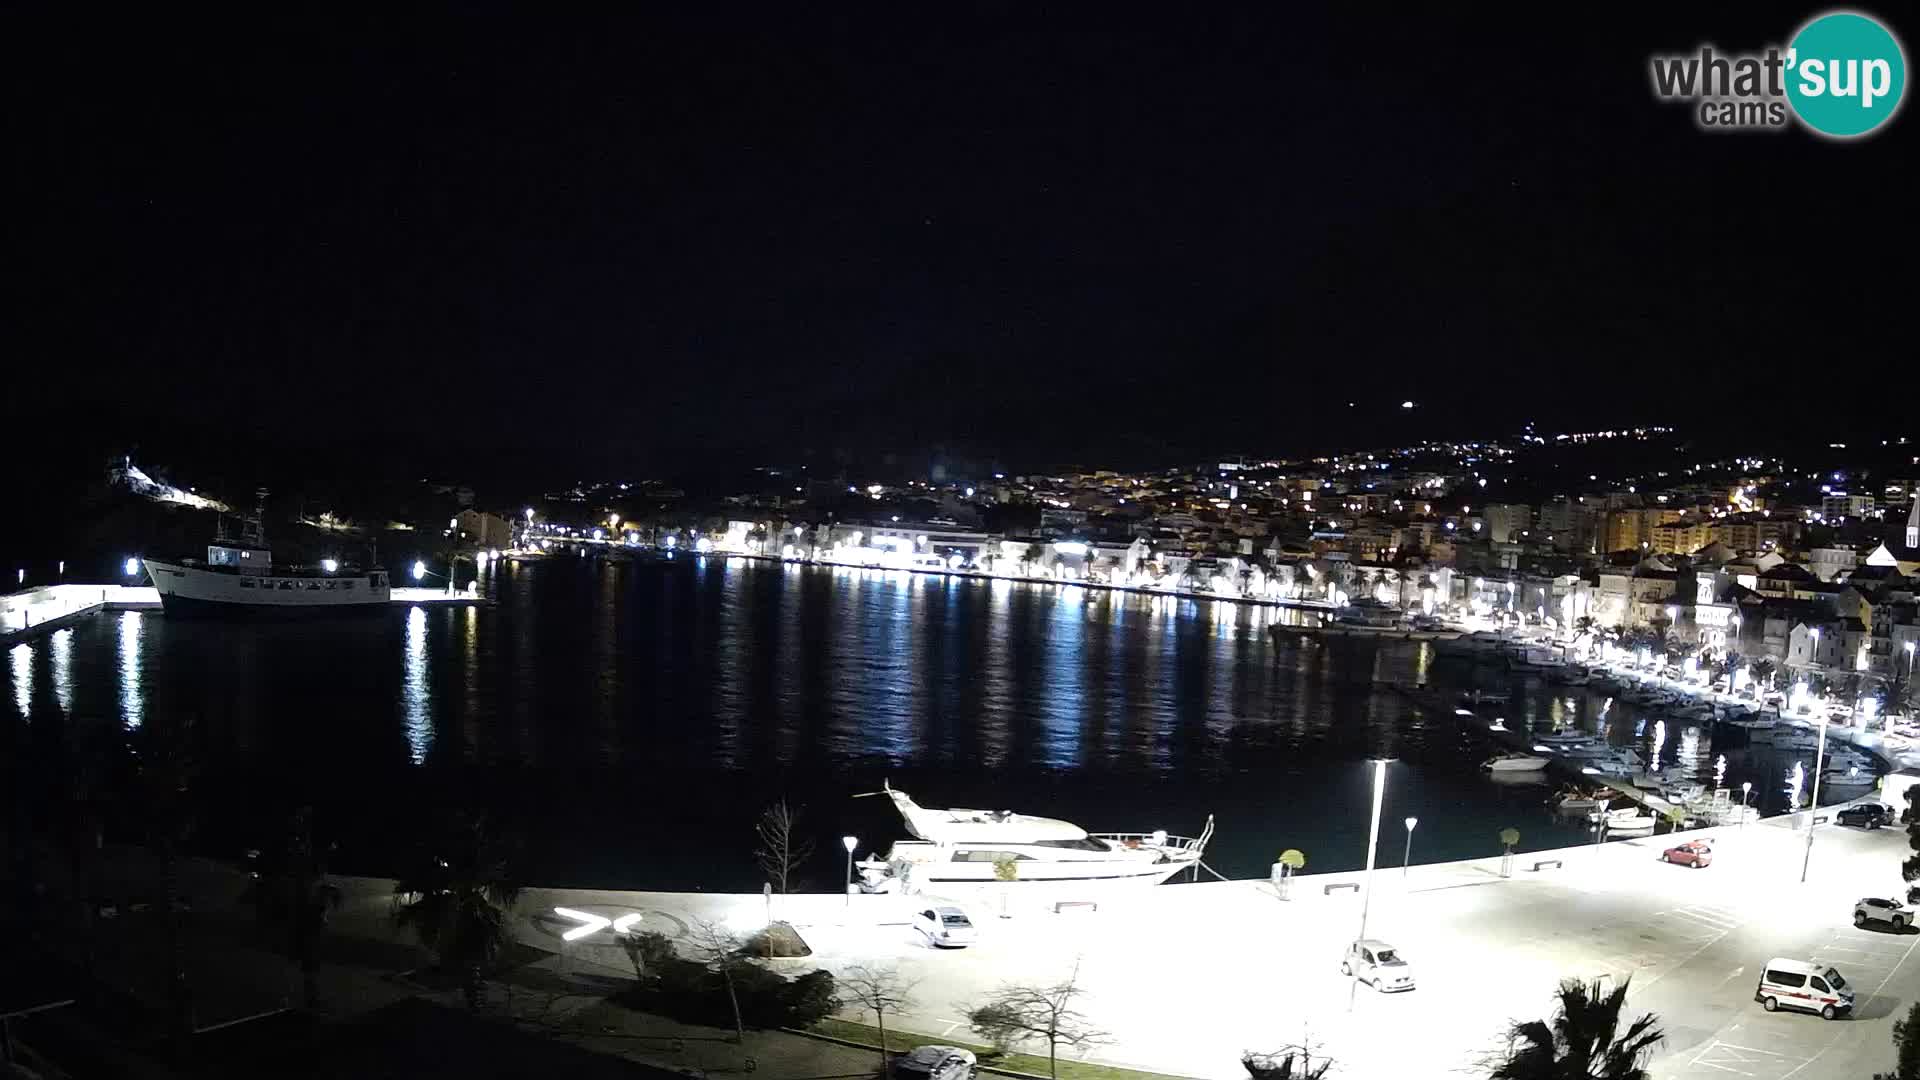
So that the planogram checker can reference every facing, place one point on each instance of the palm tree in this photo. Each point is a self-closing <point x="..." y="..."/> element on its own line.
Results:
<point x="1583" y="1041"/>
<point x="459" y="900"/>
<point x="1291" y="860"/>
<point x="290" y="892"/>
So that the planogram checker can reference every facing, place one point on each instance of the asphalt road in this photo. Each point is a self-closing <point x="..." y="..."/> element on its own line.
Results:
<point x="1185" y="978"/>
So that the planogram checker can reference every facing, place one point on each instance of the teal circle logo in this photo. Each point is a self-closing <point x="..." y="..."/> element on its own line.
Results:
<point x="1846" y="74"/>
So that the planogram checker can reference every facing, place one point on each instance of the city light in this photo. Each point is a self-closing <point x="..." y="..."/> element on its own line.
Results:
<point x="329" y="565"/>
<point x="133" y="567"/>
<point x="419" y="569"/>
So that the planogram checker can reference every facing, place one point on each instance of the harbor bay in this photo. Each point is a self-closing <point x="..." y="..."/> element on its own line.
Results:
<point x="633" y="719"/>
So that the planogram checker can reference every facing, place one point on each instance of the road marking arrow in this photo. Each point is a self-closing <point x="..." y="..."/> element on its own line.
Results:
<point x="589" y="923"/>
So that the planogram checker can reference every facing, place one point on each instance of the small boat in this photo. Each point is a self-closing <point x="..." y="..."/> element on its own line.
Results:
<point x="1630" y="821"/>
<point x="1515" y="763"/>
<point x="1569" y="736"/>
<point x="1578" y="802"/>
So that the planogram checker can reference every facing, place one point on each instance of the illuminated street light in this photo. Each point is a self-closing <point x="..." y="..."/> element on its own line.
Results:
<point x="1813" y="804"/>
<point x="419" y="570"/>
<point x="1746" y="790"/>
<point x="850" y="842"/>
<point x="133" y="567"/>
<point x="1407" y="856"/>
<point x="329" y="565"/>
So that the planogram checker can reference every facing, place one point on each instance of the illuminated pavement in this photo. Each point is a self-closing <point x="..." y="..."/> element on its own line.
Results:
<point x="1188" y="977"/>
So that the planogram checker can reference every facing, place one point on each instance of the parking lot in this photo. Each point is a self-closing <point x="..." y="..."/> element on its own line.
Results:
<point x="1185" y="978"/>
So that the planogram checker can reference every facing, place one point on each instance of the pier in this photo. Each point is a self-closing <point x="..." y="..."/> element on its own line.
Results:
<point x="46" y="608"/>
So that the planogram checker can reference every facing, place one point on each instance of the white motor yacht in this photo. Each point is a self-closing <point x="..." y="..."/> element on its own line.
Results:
<point x="959" y="847"/>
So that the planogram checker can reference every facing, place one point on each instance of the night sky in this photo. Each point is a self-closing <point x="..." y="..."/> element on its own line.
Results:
<point x="489" y="234"/>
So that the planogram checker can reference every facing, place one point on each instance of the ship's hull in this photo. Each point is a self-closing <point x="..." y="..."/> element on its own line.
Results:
<point x="193" y="592"/>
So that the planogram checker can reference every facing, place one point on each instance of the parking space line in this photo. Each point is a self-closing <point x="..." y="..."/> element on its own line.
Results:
<point x="1739" y="1055"/>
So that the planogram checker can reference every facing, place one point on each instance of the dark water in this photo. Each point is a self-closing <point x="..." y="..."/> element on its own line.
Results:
<point x="633" y="719"/>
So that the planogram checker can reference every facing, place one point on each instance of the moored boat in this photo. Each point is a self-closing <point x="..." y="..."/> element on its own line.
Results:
<point x="239" y="579"/>
<point x="959" y="848"/>
<point x="1516" y="763"/>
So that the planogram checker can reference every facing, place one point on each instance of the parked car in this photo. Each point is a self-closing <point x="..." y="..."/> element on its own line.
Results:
<point x="1803" y="984"/>
<point x="1869" y="815"/>
<point x="936" y="1063"/>
<point x="1377" y="964"/>
<point x="1873" y="909"/>
<point x="945" y="927"/>
<point x="1694" y="853"/>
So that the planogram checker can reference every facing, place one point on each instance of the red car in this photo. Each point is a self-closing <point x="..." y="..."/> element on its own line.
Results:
<point x="1695" y="853"/>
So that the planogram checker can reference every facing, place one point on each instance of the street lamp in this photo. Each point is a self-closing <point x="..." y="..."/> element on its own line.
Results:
<point x="133" y="567"/>
<point x="419" y="570"/>
<point x="1746" y="789"/>
<point x="1407" y="856"/>
<point x="849" y="842"/>
<point x="1813" y="805"/>
<point x="1373" y="845"/>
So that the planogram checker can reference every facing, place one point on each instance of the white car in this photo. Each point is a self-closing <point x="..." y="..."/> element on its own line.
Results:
<point x="945" y="927"/>
<point x="1892" y="912"/>
<point x="1379" y="965"/>
<point x="936" y="1063"/>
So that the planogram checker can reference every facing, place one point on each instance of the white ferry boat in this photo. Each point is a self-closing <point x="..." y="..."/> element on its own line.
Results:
<point x="239" y="579"/>
<point x="962" y="847"/>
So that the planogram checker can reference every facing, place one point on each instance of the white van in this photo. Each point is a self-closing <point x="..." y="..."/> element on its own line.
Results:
<point x="1803" y="984"/>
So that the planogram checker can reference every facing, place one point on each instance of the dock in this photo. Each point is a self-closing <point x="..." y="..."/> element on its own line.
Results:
<point x="41" y="610"/>
<point x="1279" y="630"/>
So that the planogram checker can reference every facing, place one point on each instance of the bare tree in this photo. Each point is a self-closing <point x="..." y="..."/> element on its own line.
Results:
<point x="1018" y="1011"/>
<point x="719" y="949"/>
<point x="879" y="990"/>
<point x="781" y="853"/>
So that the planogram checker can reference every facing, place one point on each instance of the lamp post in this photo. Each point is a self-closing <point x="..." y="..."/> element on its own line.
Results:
<point x="1746" y="789"/>
<point x="1813" y="805"/>
<point x="1407" y="856"/>
<point x="1373" y="845"/>
<point x="849" y="842"/>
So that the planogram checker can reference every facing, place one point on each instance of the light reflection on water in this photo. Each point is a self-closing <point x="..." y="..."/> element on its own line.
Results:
<point x="415" y="695"/>
<point x="132" y="704"/>
<point x="62" y="648"/>
<point x="20" y="659"/>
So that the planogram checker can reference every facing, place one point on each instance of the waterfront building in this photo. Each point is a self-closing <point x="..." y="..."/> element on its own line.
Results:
<point x="484" y="530"/>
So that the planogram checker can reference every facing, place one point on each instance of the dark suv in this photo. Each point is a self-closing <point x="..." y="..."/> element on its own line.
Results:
<point x="1866" y="815"/>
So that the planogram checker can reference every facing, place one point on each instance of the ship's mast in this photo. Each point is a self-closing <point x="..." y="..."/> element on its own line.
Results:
<point x="253" y="528"/>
